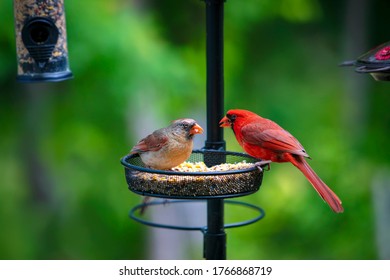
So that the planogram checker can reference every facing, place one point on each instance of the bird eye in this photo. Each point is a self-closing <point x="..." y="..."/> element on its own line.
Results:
<point x="232" y="117"/>
<point x="185" y="125"/>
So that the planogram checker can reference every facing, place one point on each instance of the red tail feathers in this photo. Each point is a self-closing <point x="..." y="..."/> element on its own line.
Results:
<point x="323" y="190"/>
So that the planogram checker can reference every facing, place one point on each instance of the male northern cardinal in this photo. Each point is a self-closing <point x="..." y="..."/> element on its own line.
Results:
<point x="169" y="146"/>
<point x="264" y="139"/>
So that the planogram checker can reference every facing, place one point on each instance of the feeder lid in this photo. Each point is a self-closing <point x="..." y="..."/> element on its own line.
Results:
<point x="375" y="62"/>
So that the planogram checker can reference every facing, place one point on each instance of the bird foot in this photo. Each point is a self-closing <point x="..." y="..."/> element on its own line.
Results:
<point x="165" y="201"/>
<point x="147" y="201"/>
<point x="145" y="204"/>
<point x="267" y="163"/>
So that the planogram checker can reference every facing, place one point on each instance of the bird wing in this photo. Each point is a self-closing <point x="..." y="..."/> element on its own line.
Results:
<point x="152" y="142"/>
<point x="275" y="139"/>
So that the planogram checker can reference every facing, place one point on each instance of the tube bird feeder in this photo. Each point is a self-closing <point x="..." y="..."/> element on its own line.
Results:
<point x="41" y="43"/>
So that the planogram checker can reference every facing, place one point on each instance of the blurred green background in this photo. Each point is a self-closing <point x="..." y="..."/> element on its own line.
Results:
<point x="138" y="64"/>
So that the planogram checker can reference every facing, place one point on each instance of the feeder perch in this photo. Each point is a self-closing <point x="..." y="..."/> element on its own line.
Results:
<point x="257" y="210"/>
<point x="41" y="44"/>
<point x="375" y="62"/>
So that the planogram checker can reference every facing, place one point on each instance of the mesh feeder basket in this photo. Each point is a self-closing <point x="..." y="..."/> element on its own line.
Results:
<point x="206" y="174"/>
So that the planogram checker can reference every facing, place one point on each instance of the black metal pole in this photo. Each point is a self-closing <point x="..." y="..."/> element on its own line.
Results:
<point x="215" y="77"/>
<point x="214" y="234"/>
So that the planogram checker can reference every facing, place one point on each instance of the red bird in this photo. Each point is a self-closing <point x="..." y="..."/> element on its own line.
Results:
<point x="266" y="140"/>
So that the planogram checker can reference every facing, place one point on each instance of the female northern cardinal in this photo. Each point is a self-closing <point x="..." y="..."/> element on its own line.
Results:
<point x="264" y="139"/>
<point x="169" y="146"/>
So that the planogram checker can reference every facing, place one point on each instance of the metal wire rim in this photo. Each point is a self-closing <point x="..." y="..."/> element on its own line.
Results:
<point x="261" y="214"/>
<point x="367" y="69"/>
<point x="124" y="162"/>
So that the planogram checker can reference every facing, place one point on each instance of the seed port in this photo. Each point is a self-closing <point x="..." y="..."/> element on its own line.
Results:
<point x="39" y="34"/>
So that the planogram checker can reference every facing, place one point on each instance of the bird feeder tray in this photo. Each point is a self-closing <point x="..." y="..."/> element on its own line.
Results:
<point x="375" y="62"/>
<point x="229" y="174"/>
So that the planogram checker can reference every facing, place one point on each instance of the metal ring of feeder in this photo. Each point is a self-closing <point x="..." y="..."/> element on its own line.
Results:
<point x="261" y="214"/>
<point x="142" y="168"/>
<point x="195" y="185"/>
<point x="365" y="69"/>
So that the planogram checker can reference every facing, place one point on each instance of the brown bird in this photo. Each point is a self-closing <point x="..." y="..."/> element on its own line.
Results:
<point x="167" y="147"/>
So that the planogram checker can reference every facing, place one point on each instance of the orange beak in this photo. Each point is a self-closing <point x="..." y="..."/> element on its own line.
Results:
<point x="225" y="122"/>
<point x="196" y="129"/>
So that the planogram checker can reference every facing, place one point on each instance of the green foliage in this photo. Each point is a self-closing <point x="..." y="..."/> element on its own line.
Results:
<point x="140" y="64"/>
